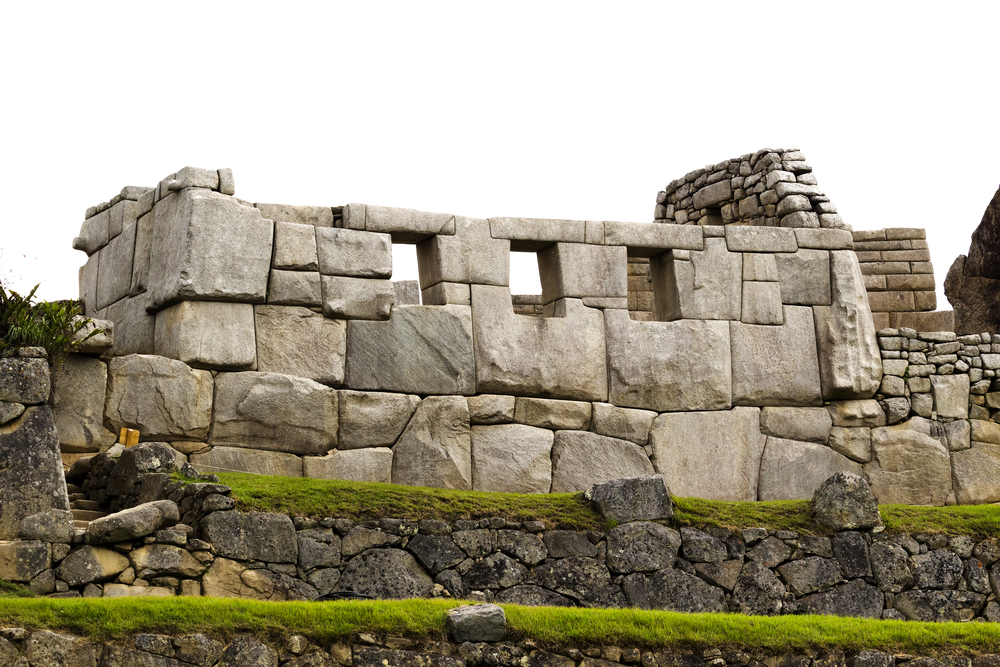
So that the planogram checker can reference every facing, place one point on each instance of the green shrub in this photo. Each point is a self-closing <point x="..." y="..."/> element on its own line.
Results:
<point x="52" y="325"/>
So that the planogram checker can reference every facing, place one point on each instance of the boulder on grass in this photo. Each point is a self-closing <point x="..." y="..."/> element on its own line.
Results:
<point x="644" y="498"/>
<point x="846" y="502"/>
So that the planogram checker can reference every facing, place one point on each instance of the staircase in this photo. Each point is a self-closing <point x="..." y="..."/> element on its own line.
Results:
<point x="84" y="511"/>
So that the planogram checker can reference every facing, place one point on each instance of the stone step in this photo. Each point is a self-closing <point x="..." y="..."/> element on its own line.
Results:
<point x="87" y="515"/>
<point x="80" y="524"/>
<point x="84" y="504"/>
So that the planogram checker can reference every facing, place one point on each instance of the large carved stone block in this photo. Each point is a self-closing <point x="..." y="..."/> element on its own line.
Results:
<point x="708" y="286"/>
<point x="255" y="461"/>
<point x="436" y="447"/>
<point x="472" y="256"/>
<point x="295" y="247"/>
<point x="208" y="334"/>
<point x="793" y="470"/>
<point x="804" y="277"/>
<point x="373" y="419"/>
<point x="349" y="298"/>
<point x="114" y="278"/>
<point x="974" y="472"/>
<point x="581" y="459"/>
<point x="511" y="458"/>
<point x="134" y="327"/>
<point x="359" y="465"/>
<point x="579" y="270"/>
<point x="78" y="390"/>
<point x="908" y="466"/>
<point x="297" y="341"/>
<point x="349" y="252"/>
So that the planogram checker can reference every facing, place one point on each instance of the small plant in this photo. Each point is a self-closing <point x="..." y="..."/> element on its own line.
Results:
<point x="52" y="325"/>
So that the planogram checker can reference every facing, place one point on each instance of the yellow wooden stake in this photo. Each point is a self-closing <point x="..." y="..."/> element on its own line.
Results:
<point x="123" y="436"/>
<point x="133" y="438"/>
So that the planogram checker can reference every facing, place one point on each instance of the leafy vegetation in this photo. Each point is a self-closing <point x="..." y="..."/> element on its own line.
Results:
<point x="52" y="325"/>
<point x="11" y="590"/>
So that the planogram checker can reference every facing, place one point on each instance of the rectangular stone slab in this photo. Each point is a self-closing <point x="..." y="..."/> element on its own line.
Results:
<point x="580" y="270"/>
<point x="472" y="256"/>
<point x="207" y="334"/>
<point x="297" y="341"/>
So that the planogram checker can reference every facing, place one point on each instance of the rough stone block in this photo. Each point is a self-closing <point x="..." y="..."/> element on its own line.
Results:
<point x="88" y="284"/>
<point x="552" y="357"/>
<point x="134" y="326"/>
<point x="740" y="238"/>
<point x="511" y="458"/>
<point x="90" y="340"/>
<point x="803" y="424"/>
<point x="668" y="366"/>
<point x="533" y="234"/>
<point x="951" y="396"/>
<point x="793" y="470"/>
<point x="24" y="380"/>
<point x="94" y="233"/>
<point x="208" y="246"/>
<point x="436" y="447"/>
<point x="471" y="257"/>
<point x="776" y="365"/>
<point x="407" y="292"/>
<point x="714" y="455"/>
<point x="294" y="247"/>
<point x="252" y="536"/>
<point x="491" y="409"/>
<point x="407" y="225"/>
<point x="78" y="390"/>
<point x="581" y="459"/>
<point x="854" y="443"/>
<point x="580" y="270"/>
<point x="856" y="413"/>
<point x="444" y="294"/>
<point x="713" y="194"/>
<point x="941" y="320"/>
<point x="373" y="419"/>
<point x="644" y="498"/>
<point x="762" y="303"/>
<point x="760" y="267"/>
<point x="295" y="288"/>
<point x="357" y="298"/>
<point x="255" y="461"/>
<point x="706" y="287"/>
<point x="316" y="216"/>
<point x="23" y="561"/>
<point x="824" y="239"/>
<point x="114" y="279"/>
<point x="360" y="465"/>
<point x="805" y="277"/>
<point x="348" y="252"/>
<point x="974" y="474"/>
<point x="133" y="523"/>
<point x="420" y="350"/>
<point x="891" y="301"/>
<point x="182" y="407"/>
<point x="924" y="300"/>
<point x="297" y="341"/>
<point x="622" y="423"/>
<point x="477" y="623"/>
<point x="208" y="334"/>
<point x="648" y="240"/>
<point x="908" y="466"/>
<point x="552" y="414"/>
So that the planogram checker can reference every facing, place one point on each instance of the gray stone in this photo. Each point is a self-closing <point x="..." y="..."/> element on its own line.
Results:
<point x="87" y="564"/>
<point x="477" y="623"/>
<point x="700" y="547"/>
<point x="125" y="591"/>
<point x="708" y="286"/>
<point x="532" y="596"/>
<point x="48" y="649"/>
<point x="724" y="574"/>
<point x="855" y="443"/>
<point x="776" y="365"/>
<point x="208" y="246"/>
<point x="793" y="470"/>
<point x="165" y="560"/>
<point x="23" y="560"/>
<point x="274" y="412"/>
<point x="114" y="273"/>
<point x="96" y="336"/>
<point x="579" y="270"/>
<point x="24" y="380"/>
<point x="959" y="435"/>
<point x="251" y="536"/>
<point x="373" y="464"/>
<point x="78" y="391"/>
<point x="297" y="341"/>
<point x="134" y="327"/>
<point x="472" y="256"/>
<point x="349" y="252"/>
<point x="762" y="303"/>
<point x="809" y="575"/>
<point x="435" y="552"/>
<point x="369" y="656"/>
<point x="973" y="473"/>
<point x="936" y="569"/>
<point x="476" y="543"/>
<point x="644" y="498"/>
<point x="856" y="413"/>
<point x="651" y="365"/>
<point x="239" y="459"/>
<point x="294" y="247"/>
<point x="373" y="419"/>
<point x="444" y="294"/>
<point x="713" y="194"/>
<point x="295" y="288"/>
<point x="714" y="455"/>
<point x="420" y="350"/>
<point x="854" y="598"/>
<point x="758" y="591"/>
<point x="672" y="590"/>
<point x="552" y="414"/>
<point x="562" y="356"/>
<point x="771" y="552"/>
<point x="641" y="546"/>
<point x="407" y="292"/>
<point x="584" y="580"/>
<point x="565" y="543"/>
<point x="891" y="567"/>
<point x="360" y="539"/>
<point x="133" y="523"/>
<point x="53" y="525"/>
<point x="136" y="461"/>
<point x="31" y="477"/>
<point x="526" y="547"/>
<point x="622" y="423"/>
<point x="851" y="551"/>
<point x="908" y="467"/>
<point x="803" y="424"/>
<point x="940" y="606"/>
<point x="805" y="277"/>
<point x="435" y="449"/>
<point x="495" y="571"/>
<point x="845" y="502"/>
<point x="308" y="216"/>
<point x="874" y="659"/>
<point x="357" y="298"/>
<point x="511" y="458"/>
<point x="951" y="396"/>
<point x="10" y="411"/>
<point x="489" y="409"/>
<point x="581" y="459"/>
<point x="246" y="651"/>
<point x="207" y="334"/>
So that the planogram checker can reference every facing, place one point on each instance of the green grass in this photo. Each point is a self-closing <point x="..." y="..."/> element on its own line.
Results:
<point x="11" y="590"/>
<point x="118" y="619"/>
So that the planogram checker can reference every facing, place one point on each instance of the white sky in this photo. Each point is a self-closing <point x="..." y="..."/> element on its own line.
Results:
<point x="542" y="109"/>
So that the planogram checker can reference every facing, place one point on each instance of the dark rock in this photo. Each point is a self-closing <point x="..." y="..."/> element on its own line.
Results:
<point x="700" y="547"/>
<point x="758" y="591"/>
<point x="810" y="545"/>
<point x="48" y="526"/>
<point x="133" y="523"/>
<point x="318" y="548"/>
<point x="252" y="536"/>
<point x="891" y="567"/>
<point x="361" y="539"/>
<point x="122" y="656"/>
<point x="317" y="659"/>
<point x="533" y="596"/>
<point x="770" y="553"/>
<point x="501" y="655"/>
<point x="477" y="623"/>
<point x="23" y="560"/>
<point x="987" y="551"/>
<point x="641" y="546"/>
<point x="722" y="574"/>
<point x="565" y="543"/>
<point x="644" y="498"/>
<point x="937" y="569"/>
<point x="988" y="660"/>
<point x="144" y="458"/>
<point x="452" y="582"/>
<point x="162" y="560"/>
<point x="810" y="574"/>
<point x="984" y="259"/>
<point x="386" y="573"/>
<point x="371" y="656"/>
<point x="8" y="653"/>
<point x="873" y="659"/>
<point x="976" y="299"/>
<point x="584" y="580"/>
<point x="49" y="649"/>
<point x="324" y="580"/>
<point x="246" y="651"/>
<point x="939" y="605"/>
<point x="674" y="591"/>
<point x="845" y="502"/>
<point x="976" y="576"/>
<point x="198" y="650"/>
<point x="435" y="552"/>
<point x="851" y="550"/>
<point x="527" y="548"/>
<point x="24" y="381"/>
<point x="10" y="411"/>
<point x="855" y="598"/>
<point x="89" y="564"/>
<point x="476" y="543"/>
<point x="496" y="571"/>
<point x="896" y="409"/>
<point x="544" y="659"/>
<point x="434" y="527"/>
<point x="962" y="545"/>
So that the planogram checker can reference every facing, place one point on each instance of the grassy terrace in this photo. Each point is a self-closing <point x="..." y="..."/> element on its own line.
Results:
<point x="362" y="501"/>
<point x="118" y="619"/>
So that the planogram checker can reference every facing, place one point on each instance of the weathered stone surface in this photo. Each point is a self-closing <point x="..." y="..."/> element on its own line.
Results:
<point x="708" y="286"/>
<point x="951" y="396"/>
<point x="805" y="277"/>
<point x="31" y="477"/>
<point x="472" y="256"/>
<point x="435" y="552"/>
<point x="357" y="298"/>
<point x="623" y="423"/>
<point x="239" y="459"/>
<point x="114" y="272"/>
<point x="793" y="470"/>
<point x="308" y="216"/>
<point x="581" y="459"/>
<point x="700" y="547"/>
<point x="475" y="543"/>
<point x="10" y="411"/>
<point x="420" y="350"/>
<point x="552" y="414"/>
<point x="134" y="462"/>
<point x="809" y="575"/>
<point x="959" y="435"/>
<point x="850" y="363"/>
<point x="373" y="464"/>
<point x="776" y="365"/>
<point x="851" y="552"/>
<point x="78" y="390"/>
<point x="48" y="649"/>
<point x="974" y="475"/>
<point x="526" y="547"/>
<point x="651" y="365"/>
<point x="294" y="247"/>
<point x="724" y="574"/>
<point x="937" y="569"/>
<point x="712" y="455"/>
<point x="854" y="443"/>
<point x="207" y="334"/>
<point x="22" y="560"/>
<point x="939" y="606"/>
<point x="386" y="573"/>
<point x="370" y="656"/>
<point x="49" y="526"/>
<point x="771" y="552"/>
<point x="803" y="424"/>
<point x="24" y="381"/>
<point x="318" y="547"/>
<point x="373" y="419"/>
<point x="274" y="412"/>
<point x="477" y="623"/>
<point x="183" y="406"/>
<point x="126" y="591"/>
<point x="164" y="560"/>
<point x="496" y="571"/>
<point x="672" y="590"/>
<point x="490" y="409"/>
<point x="443" y="294"/>
<point x="644" y="498"/>
<point x="361" y="539"/>
<point x="511" y="458"/>
<point x="227" y="578"/>
<point x="99" y="342"/>
<point x="349" y="252"/>
<point x="134" y="327"/>
<point x="579" y="270"/>
<point x="208" y="246"/>
<point x="533" y="596"/>
<point x="983" y="261"/>
<point x="436" y="447"/>
<point x="641" y="546"/>
<point x="89" y="563"/>
<point x="562" y="356"/>
<point x="296" y="341"/>
<point x="758" y="591"/>
<point x="565" y="543"/>
<point x="908" y="467"/>
<point x="891" y="567"/>
<point x="134" y="522"/>
<point x="246" y="651"/>
<point x="845" y="501"/>
<point x="859" y="413"/>
<point x="854" y="598"/>
<point x="295" y="288"/>
<point x="251" y="536"/>
<point x="584" y="580"/>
